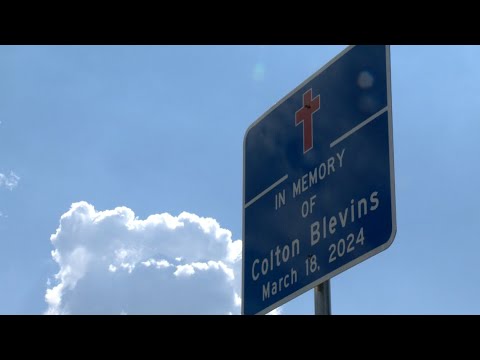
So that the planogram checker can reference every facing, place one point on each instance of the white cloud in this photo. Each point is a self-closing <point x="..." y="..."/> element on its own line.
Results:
<point x="112" y="262"/>
<point x="277" y="311"/>
<point x="9" y="181"/>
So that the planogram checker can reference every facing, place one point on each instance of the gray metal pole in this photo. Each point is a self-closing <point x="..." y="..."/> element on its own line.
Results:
<point x="322" y="299"/>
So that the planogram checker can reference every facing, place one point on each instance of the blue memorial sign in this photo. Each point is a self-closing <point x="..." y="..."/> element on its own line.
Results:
<point x="318" y="180"/>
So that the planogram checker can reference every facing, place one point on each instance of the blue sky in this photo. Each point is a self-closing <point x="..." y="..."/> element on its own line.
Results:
<point x="159" y="129"/>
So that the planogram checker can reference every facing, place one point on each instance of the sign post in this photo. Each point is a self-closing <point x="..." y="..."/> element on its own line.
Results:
<point x="322" y="299"/>
<point x="318" y="181"/>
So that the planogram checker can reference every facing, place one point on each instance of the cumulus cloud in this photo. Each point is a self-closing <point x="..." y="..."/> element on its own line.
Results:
<point x="277" y="311"/>
<point x="9" y="181"/>
<point x="112" y="262"/>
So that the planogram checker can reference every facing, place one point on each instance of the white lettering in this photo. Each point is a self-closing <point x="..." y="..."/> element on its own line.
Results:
<point x="357" y="209"/>
<point x="343" y="219"/>
<point x="253" y="270"/>
<point x="304" y="183"/>
<point x="314" y="233"/>
<point x="331" y="162"/>
<point x="311" y="178"/>
<point x="321" y="168"/>
<point x="304" y="209"/>
<point x="340" y="157"/>
<point x="277" y="257"/>
<point x="272" y="288"/>
<point x="374" y="200"/>
<point x="296" y="188"/>
<point x="331" y="225"/>
<point x="285" y="253"/>
<point x="265" y="266"/>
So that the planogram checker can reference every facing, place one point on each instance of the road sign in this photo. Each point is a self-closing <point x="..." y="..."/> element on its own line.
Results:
<point x="318" y="180"/>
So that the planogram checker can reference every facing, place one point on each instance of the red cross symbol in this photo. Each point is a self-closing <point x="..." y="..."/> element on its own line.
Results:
<point x="305" y="115"/>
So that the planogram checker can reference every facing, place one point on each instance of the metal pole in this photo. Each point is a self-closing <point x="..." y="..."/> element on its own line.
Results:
<point x="322" y="299"/>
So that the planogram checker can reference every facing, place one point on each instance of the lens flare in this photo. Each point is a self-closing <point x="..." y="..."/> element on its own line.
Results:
<point x="259" y="72"/>
<point x="365" y="80"/>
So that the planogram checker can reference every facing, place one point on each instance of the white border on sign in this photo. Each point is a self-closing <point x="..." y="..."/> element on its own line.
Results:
<point x="392" y="187"/>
